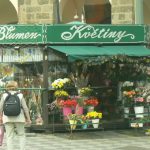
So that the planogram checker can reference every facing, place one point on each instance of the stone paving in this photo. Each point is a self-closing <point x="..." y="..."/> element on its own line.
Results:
<point x="95" y="140"/>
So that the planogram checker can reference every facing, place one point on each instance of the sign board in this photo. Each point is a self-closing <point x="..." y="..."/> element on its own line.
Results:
<point x="21" y="34"/>
<point x="86" y="34"/>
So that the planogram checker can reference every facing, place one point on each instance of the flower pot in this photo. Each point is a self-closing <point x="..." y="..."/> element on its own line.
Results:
<point x="95" y="123"/>
<point x="73" y="124"/>
<point x="79" y="110"/>
<point x="139" y="110"/>
<point x="126" y="112"/>
<point x="67" y="111"/>
<point x="90" y="108"/>
<point x="84" y="126"/>
<point x="136" y="125"/>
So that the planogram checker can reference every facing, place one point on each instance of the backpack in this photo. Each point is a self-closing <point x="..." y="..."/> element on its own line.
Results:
<point x="12" y="105"/>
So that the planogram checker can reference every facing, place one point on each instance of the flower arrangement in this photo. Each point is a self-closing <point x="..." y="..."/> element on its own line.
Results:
<point x="68" y="103"/>
<point x="91" y="102"/>
<point x="73" y="117"/>
<point x="139" y="97"/>
<point x="94" y="115"/>
<point x="61" y="94"/>
<point x="61" y="83"/>
<point x="86" y="91"/>
<point x="128" y="97"/>
<point x="84" y="119"/>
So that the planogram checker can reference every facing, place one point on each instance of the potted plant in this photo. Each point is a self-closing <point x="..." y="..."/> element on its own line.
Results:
<point x="84" y="121"/>
<point x="68" y="105"/>
<point x="85" y="91"/>
<point x="61" y="83"/>
<point x="90" y="103"/>
<point x="95" y="117"/>
<point x="139" y="103"/>
<point x="73" y="118"/>
<point x="61" y="94"/>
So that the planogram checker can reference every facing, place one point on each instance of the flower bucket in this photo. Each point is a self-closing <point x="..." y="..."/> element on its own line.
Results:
<point x="73" y="124"/>
<point x="95" y="123"/>
<point x="67" y="111"/>
<point x="126" y="112"/>
<point x="138" y="111"/>
<point x="84" y="126"/>
<point x="90" y="108"/>
<point x="79" y="110"/>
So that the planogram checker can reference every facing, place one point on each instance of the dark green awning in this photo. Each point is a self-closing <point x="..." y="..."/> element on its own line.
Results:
<point x="81" y="52"/>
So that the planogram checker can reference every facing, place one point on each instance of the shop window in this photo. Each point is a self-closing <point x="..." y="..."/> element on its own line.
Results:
<point x="25" y="66"/>
<point x="98" y="14"/>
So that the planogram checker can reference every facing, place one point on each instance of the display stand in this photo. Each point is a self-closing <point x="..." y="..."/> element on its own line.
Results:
<point x="139" y="122"/>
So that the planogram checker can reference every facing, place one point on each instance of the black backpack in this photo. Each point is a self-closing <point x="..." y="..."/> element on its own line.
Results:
<point x="12" y="105"/>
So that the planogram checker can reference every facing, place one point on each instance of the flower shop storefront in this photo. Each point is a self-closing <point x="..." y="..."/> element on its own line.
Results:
<point x="80" y="66"/>
<point x="22" y="59"/>
<point x="92" y="63"/>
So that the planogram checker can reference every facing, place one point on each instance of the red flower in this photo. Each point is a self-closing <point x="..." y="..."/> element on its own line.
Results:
<point x="91" y="102"/>
<point x="69" y="103"/>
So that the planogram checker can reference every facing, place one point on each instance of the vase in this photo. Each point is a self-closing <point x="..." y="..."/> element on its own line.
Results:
<point x="73" y="124"/>
<point x="139" y="110"/>
<point x="126" y="112"/>
<point x="90" y="108"/>
<point x="95" y="123"/>
<point x="79" y="110"/>
<point x="67" y="111"/>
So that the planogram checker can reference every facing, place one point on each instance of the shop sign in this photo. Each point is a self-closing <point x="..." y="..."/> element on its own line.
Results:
<point x="83" y="33"/>
<point x="21" y="34"/>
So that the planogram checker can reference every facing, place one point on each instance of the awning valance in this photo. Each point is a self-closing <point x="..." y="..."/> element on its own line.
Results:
<point x="81" y="52"/>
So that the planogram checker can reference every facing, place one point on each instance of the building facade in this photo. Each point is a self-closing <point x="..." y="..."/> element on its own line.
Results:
<point x="63" y="11"/>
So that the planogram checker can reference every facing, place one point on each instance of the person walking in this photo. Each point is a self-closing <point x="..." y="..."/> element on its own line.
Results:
<point x="14" y="124"/>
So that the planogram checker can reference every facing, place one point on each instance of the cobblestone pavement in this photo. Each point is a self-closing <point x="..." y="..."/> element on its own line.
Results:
<point x="99" y="140"/>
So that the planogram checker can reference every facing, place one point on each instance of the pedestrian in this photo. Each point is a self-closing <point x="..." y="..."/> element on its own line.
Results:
<point x="14" y="124"/>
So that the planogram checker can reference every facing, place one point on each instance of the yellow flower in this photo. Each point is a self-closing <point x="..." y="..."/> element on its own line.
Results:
<point x="94" y="115"/>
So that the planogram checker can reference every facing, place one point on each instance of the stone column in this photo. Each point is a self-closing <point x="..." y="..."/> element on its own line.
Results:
<point x="123" y="11"/>
<point x="37" y="11"/>
<point x="139" y="12"/>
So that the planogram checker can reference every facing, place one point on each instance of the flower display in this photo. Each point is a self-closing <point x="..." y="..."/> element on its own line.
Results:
<point x="61" y="94"/>
<point x="83" y="119"/>
<point x="69" y="103"/>
<point x="139" y="97"/>
<point x="94" y="115"/>
<point x="73" y="117"/>
<point x="86" y="91"/>
<point x="128" y="97"/>
<point x="91" y="102"/>
<point x="61" y="83"/>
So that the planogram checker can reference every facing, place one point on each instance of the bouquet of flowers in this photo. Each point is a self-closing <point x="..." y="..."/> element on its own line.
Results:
<point x="69" y="103"/>
<point x="73" y="117"/>
<point x="61" y="83"/>
<point x="91" y="102"/>
<point x="83" y="119"/>
<point x="94" y="115"/>
<point x="61" y="94"/>
<point x="128" y="97"/>
<point x="86" y="91"/>
<point x="139" y="97"/>
<point x="127" y="86"/>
